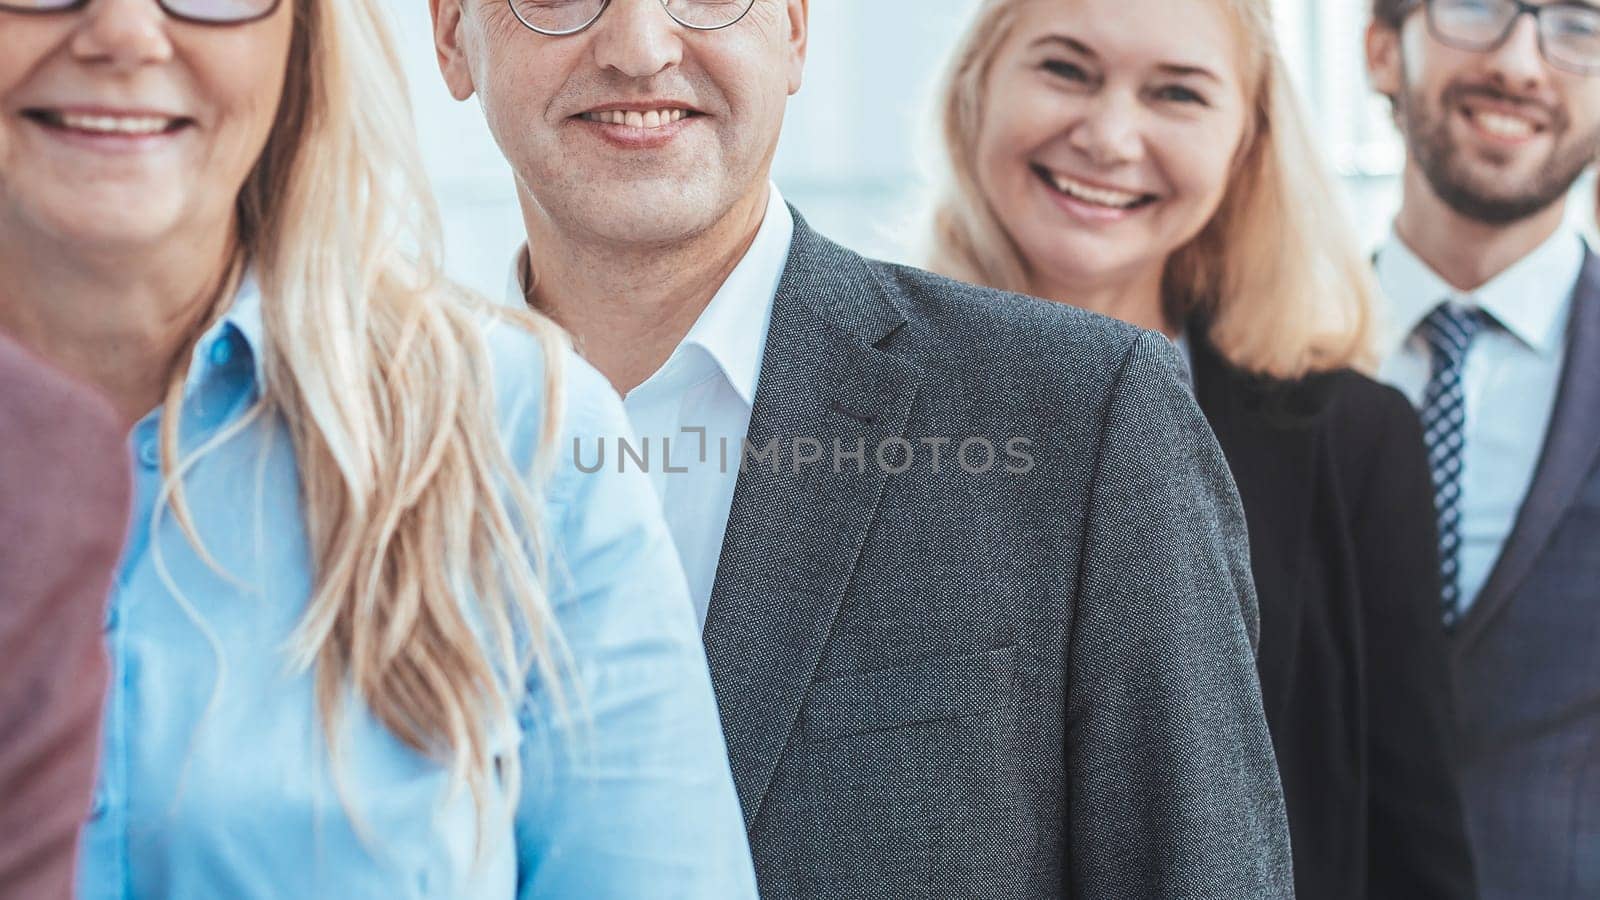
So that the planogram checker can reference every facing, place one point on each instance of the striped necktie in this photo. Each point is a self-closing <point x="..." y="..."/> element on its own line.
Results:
<point x="1449" y="332"/>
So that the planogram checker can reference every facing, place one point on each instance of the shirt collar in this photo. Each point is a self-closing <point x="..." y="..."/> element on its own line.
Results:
<point x="221" y="349"/>
<point x="732" y="329"/>
<point x="245" y="316"/>
<point x="1530" y="299"/>
<point x="240" y="328"/>
<point x="1185" y="348"/>
<point x="516" y="294"/>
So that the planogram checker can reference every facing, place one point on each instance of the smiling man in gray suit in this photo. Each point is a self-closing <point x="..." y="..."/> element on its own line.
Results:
<point x="977" y="602"/>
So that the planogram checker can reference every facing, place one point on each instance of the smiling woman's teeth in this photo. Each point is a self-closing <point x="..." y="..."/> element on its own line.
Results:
<point x="122" y="125"/>
<point x="1097" y="196"/>
<point x="655" y="118"/>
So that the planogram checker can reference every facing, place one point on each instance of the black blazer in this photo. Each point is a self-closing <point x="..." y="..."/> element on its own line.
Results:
<point x="1339" y="502"/>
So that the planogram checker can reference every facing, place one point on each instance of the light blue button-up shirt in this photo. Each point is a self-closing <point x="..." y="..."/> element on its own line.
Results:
<point x="1511" y="378"/>
<point x="216" y="780"/>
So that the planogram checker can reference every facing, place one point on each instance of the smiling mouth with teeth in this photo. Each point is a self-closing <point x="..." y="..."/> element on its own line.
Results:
<point x="107" y="125"/>
<point x="1501" y="125"/>
<point x="1084" y="193"/>
<point x="655" y="118"/>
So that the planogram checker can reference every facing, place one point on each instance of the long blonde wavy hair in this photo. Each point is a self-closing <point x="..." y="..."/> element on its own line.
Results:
<point x="1277" y="273"/>
<point x="428" y="592"/>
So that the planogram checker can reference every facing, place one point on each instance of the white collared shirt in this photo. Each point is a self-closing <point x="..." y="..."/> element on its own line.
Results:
<point x="1511" y="377"/>
<point x="1186" y="354"/>
<point x="709" y="382"/>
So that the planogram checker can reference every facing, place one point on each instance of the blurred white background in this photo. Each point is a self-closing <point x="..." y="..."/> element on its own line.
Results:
<point x="854" y="143"/>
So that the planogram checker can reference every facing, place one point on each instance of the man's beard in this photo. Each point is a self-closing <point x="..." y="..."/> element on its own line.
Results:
<point x="1491" y="202"/>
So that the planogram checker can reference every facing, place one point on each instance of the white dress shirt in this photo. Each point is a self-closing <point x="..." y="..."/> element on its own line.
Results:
<point x="1186" y="353"/>
<point x="709" y="382"/>
<point x="1511" y="377"/>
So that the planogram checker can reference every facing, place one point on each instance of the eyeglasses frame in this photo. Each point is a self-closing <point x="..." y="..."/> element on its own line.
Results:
<point x="1523" y="8"/>
<point x="78" y="5"/>
<point x="606" y="4"/>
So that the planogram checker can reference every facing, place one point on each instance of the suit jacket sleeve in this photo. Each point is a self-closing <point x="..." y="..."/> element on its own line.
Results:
<point x="1174" y="788"/>
<point x="1418" y="844"/>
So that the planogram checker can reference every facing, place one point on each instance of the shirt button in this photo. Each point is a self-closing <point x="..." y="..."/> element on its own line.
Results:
<point x="97" y="809"/>
<point x="222" y="351"/>
<point x="150" y="453"/>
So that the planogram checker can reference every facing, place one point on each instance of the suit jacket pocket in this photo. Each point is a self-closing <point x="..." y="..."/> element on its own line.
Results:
<point x="932" y="690"/>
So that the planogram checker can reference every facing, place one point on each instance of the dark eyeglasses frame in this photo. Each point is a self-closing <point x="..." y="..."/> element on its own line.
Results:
<point x="1523" y="8"/>
<point x="77" y="5"/>
<point x="606" y="4"/>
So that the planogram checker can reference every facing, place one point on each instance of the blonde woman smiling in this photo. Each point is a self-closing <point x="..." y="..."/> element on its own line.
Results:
<point x="373" y="635"/>
<point x="1160" y="173"/>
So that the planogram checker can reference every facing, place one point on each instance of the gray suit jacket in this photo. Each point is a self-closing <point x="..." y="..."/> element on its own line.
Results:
<point x="949" y="682"/>
<point x="1527" y="658"/>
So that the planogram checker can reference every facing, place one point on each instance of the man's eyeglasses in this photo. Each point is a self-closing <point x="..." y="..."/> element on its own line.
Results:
<point x="558" y="18"/>
<point x="1569" y="32"/>
<point x="202" y="12"/>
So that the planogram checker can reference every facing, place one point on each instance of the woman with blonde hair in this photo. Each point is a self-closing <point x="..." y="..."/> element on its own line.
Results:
<point x="1146" y="159"/>
<point x="374" y="635"/>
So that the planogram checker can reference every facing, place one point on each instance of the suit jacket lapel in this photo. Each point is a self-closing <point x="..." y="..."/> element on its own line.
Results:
<point x="794" y="537"/>
<point x="1571" y="451"/>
